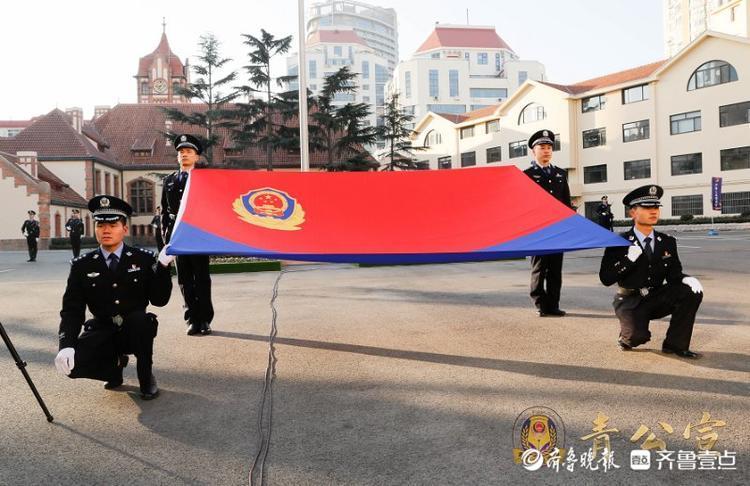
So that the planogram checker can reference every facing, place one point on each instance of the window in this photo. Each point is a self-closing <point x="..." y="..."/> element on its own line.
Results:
<point x="454" y="109"/>
<point x="687" y="164"/>
<point x="434" y="86"/>
<point x="492" y="126"/>
<point x="445" y="162"/>
<point x="107" y="183"/>
<point x="467" y="132"/>
<point x="365" y="99"/>
<point x="337" y="51"/>
<point x="142" y="197"/>
<point x="595" y="137"/>
<point x="468" y="159"/>
<point x="531" y="113"/>
<point x="595" y="174"/>
<point x="635" y="94"/>
<point x="735" y="114"/>
<point x="637" y="169"/>
<point x="144" y="88"/>
<point x="365" y="70"/>
<point x="407" y="84"/>
<point x="635" y="131"/>
<point x="494" y="154"/>
<point x="344" y="97"/>
<point x="711" y="74"/>
<point x="556" y="145"/>
<point x="735" y="202"/>
<point x="517" y="149"/>
<point x="453" y="82"/>
<point x="685" y="122"/>
<point x="498" y="62"/>
<point x="466" y="56"/>
<point x="314" y="87"/>
<point x="687" y="205"/>
<point x="482" y="58"/>
<point x="433" y="138"/>
<point x="522" y="77"/>
<point x="435" y="55"/>
<point x="116" y="183"/>
<point x="496" y="93"/>
<point x="593" y="103"/>
<point x="97" y="182"/>
<point x="735" y="158"/>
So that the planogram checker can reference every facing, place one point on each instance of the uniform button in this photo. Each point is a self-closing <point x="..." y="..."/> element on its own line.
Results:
<point x="665" y="264"/>
<point x="117" y="302"/>
<point x="135" y="280"/>
<point x="114" y="285"/>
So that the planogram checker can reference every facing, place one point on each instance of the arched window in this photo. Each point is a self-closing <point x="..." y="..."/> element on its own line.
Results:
<point x="144" y="88"/>
<point x="142" y="196"/>
<point x="58" y="225"/>
<point x="711" y="74"/>
<point x="433" y="138"/>
<point x="88" y="225"/>
<point x="531" y="113"/>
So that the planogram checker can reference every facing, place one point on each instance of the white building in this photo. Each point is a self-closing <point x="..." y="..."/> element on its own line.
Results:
<point x="460" y="68"/>
<point x="676" y="123"/>
<point x="685" y="20"/>
<point x="376" y="26"/>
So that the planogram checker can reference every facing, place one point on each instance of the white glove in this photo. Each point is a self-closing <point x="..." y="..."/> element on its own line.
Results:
<point x="165" y="259"/>
<point x="694" y="284"/>
<point x="65" y="361"/>
<point x="634" y="252"/>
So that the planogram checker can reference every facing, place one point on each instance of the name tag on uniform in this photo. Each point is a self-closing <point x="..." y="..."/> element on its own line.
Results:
<point x="666" y="255"/>
<point x="134" y="269"/>
<point x="559" y="176"/>
<point x="535" y="176"/>
<point x="92" y="274"/>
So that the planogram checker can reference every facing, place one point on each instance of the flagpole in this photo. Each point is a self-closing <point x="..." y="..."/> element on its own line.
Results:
<point x="304" y="151"/>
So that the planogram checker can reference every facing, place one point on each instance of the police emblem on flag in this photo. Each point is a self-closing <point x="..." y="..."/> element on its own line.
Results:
<point x="270" y="208"/>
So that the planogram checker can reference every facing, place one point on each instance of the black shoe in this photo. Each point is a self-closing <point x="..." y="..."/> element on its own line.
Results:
<point x="205" y="328"/>
<point x="551" y="313"/>
<point x="152" y="390"/>
<point x="684" y="353"/>
<point x="193" y="329"/>
<point x="121" y="364"/>
<point x="623" y="345"/>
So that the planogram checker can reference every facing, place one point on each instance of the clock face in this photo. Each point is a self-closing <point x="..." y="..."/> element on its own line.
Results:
<point x="160" y="86"/>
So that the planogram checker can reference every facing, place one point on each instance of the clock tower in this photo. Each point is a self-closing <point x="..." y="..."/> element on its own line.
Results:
<point x="160" y="74"/>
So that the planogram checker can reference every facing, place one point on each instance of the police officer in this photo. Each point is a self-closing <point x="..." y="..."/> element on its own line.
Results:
<point x="640" y="272"/>
<point x="74" y="227"/>
<point x="116" y="282"/>
<point x="156" y="224"/>
<point x="604" y="214"/>
<point x="30" y="229"/>
<point x="546" y="270"/>
<point x="192" y="270"/>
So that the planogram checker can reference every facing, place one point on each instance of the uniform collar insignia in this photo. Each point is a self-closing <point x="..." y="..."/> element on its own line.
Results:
<point x="128" y="253"/>
<point x="631" y="237"/>
<point x="96" y="255"/>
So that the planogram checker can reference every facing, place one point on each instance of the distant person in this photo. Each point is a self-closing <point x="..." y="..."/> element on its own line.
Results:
<point x="116" y="282"/>
<point x="546" y="270"/>
<point x="604" y="214"/>
<point x="156" y="224"/>
<point x="74" y="227"/>
<point x="640" y="272"/>
<point x="31" y="230"/>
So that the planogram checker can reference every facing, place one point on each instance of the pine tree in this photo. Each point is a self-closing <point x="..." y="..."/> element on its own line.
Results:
<point x="395" y="132"/>
<point x="206" y="89"/>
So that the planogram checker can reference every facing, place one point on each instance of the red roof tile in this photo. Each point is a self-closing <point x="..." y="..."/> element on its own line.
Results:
<point x="458" y="36"/>
<point x="614" y="79"/>
<point x="15" y="123"/>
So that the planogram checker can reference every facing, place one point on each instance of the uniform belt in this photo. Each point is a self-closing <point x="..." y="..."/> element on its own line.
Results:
<point x="117" y="320"/>
<point x="642" y="291"/>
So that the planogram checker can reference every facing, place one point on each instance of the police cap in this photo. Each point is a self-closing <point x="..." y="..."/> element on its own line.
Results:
<point x="646" y="196"/>
<point x="542" y="136"/>
<point x="109" y="208"/>
<point x="187" y="140"/>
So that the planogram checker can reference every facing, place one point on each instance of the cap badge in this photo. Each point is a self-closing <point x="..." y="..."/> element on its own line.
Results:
<point x="545" y="133"/>
<point x="652" y="190"/>
<point x="104" y="202"/>
<point x="183" y="138"/>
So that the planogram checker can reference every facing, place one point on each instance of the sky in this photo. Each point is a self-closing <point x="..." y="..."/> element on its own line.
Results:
<point x="59" y="54"/>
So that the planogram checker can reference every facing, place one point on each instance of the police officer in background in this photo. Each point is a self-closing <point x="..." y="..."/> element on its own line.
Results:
<point x="156" y="224"/>
<point x="74" y="227"/>
<point x="546" y="270"/>
<point x="604" y="213"/>
<point x="192" y="270"/>
<point x="640" y="272"/>
<point x="30" y="229"/>
<point x="116" y="282"/>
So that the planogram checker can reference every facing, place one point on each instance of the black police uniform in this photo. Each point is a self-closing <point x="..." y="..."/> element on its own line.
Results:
<point x="75" y="229"/>
<point x="32" y="230"/>
<point x="117" y="299"/>
<point x="605" y="216"/>
<point x="546" y="270"/>
<point x="651" y="287"/>
<point x="193" y="273"/>
<point x="156" y="223"/>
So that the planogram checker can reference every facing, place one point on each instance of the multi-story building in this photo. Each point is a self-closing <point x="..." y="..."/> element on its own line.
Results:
<point x="677" y="123"/>
<point x="160" y="74"/>
<point x="685" y="20"/>
<point x="460" y="68"/>
<point x="376" y="26"/>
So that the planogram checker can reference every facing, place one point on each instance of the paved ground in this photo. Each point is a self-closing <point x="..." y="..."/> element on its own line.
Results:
<point x="385" y="375"/>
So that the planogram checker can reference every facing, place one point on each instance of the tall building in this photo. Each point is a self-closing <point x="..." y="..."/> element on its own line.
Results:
<point x="160" y="73"/>
<point x="460" y="68"/>
<point x="685" y="20"/>
<point x="376" y="26"/>
<point x="676" y="122"/>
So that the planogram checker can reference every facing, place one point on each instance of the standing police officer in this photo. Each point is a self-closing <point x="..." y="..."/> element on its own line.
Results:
<point x="30" y="229"/>
<point x="116" y="282"/>
<point x="640" y="271"/>
<point x="604" y="213"/>
<point x="546" y="270"/>
<point x="192" y="270"/>
<point x="74" y="227"/>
